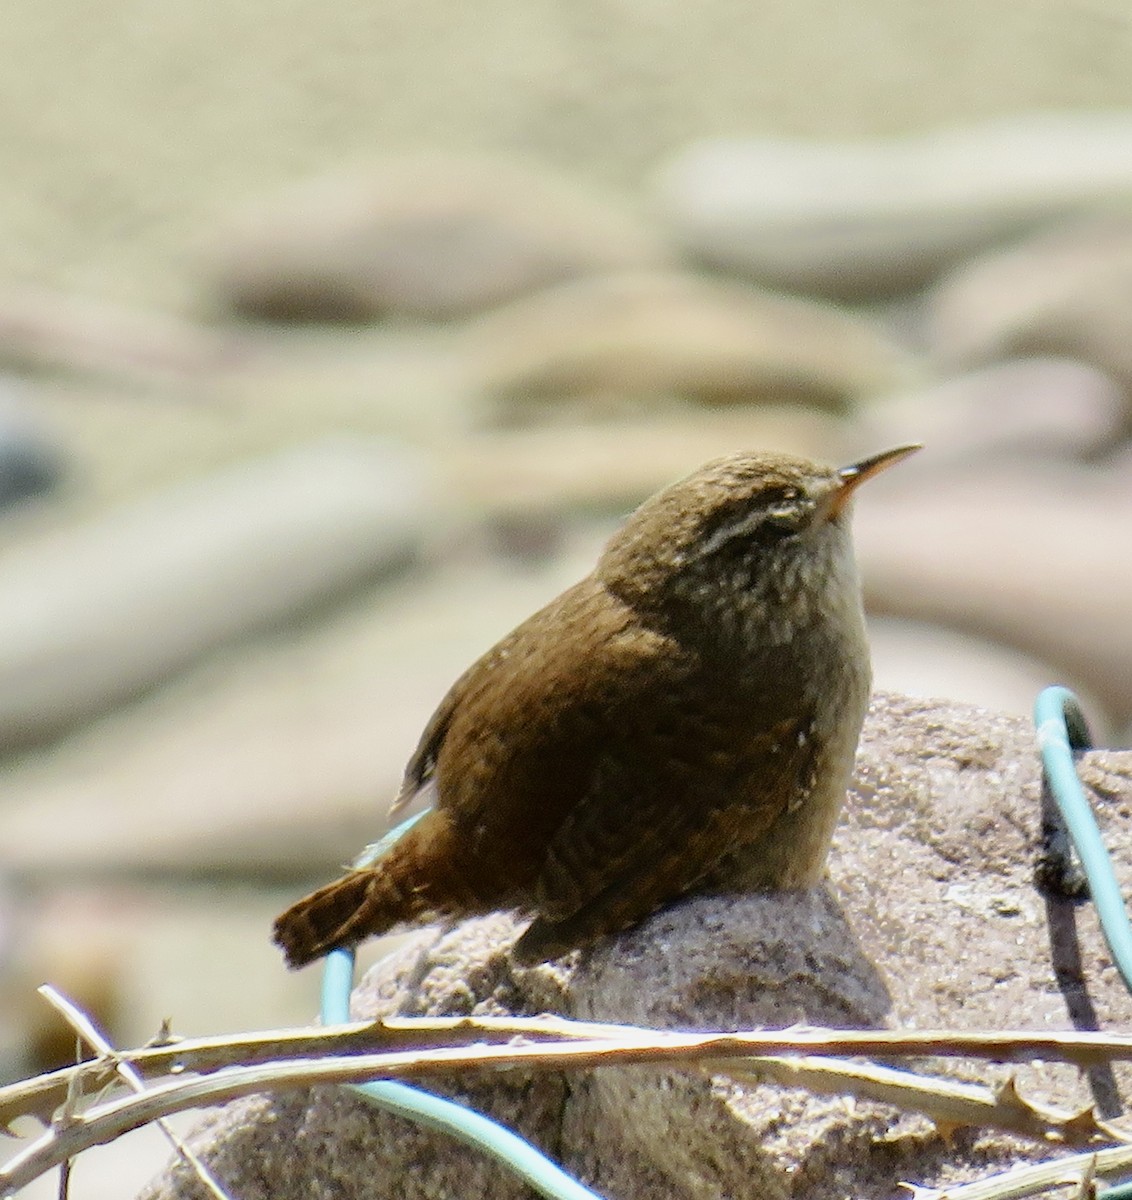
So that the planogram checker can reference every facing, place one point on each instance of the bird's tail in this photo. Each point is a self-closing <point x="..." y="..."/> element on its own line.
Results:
<point x="364" y="902"/>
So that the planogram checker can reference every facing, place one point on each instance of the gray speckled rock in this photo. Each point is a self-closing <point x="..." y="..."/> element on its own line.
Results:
<point x="930" y="920"/>
<point x="427" y="235"/>
<point x="863" y="218"/>
<point x="93" y="614"/>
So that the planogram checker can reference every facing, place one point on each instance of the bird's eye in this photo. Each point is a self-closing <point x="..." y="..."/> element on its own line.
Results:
<point x="782" y="522"/>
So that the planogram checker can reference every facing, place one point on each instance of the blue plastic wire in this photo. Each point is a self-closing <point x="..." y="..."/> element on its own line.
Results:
<point x="435" y="1112"/>
<point x="1062" y="729"/>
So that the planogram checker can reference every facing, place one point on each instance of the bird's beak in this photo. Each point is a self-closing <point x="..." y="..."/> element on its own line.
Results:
<point x="850" y="478"/>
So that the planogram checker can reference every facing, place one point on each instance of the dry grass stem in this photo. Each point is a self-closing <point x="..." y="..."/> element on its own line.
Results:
<point x="86" y="1029"/>
<point x="1032" y="1180"/>
<point x="227" y="1068"/>
<point x="42" y="1095"/>
<point x="949" y="1103"/>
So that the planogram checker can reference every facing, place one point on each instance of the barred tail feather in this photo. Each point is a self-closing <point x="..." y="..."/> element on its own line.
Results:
<point x="338" y="914"/>
<point x="403" y="886"/>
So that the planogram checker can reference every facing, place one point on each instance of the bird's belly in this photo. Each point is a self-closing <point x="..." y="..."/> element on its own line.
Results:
<point x="791" y="852"/>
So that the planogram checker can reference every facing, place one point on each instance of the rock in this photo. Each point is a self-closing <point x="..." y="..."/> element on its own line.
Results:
<point x="868" y="218"/>
<point x="51" y="332"/>
<point x="1019" y="408"/>
<point x="382" y="380"/>
<point x="1066" y="292"/>
<point x="641" y="336"/>
<point x="1029" y="554"/>
<point x="425" y="235"/>
<point x="553" y="468"/>
<point x="94" y="614"/>
<point x="31" y="463"/>
<point x="931" y="920"/>
<point x="936" y="663"/>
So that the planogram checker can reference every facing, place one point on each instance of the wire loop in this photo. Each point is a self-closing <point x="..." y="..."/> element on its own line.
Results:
<point x="1062" y="731"/>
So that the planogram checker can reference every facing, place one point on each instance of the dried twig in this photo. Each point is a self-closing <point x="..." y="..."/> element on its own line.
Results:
<point x="106" y="1121"/>
<point x="244" y="1065"/>
<point x="42" y="1095"/>
<point x="94" y="1037"/>
<point x="1030" y="1180"/>
<point x="949" y="1103"/>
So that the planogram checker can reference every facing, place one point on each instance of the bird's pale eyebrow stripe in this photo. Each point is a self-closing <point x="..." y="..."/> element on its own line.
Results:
<point x="749" y="522"/>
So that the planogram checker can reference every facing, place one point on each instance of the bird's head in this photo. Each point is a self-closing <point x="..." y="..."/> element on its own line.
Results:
<point x="749" y="535"/>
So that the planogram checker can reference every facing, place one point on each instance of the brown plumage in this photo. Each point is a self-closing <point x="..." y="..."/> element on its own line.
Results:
<point x="685" y="716"/>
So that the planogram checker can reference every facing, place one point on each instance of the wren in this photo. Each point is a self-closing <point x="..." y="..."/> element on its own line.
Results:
<point x="684" y="717"/>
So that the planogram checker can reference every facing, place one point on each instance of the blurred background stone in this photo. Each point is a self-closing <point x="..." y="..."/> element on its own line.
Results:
<point x="32" y="462"/>
<point x="280" y="760"/>
<point x="96" y="614"/>
<point x="609" y="467"/>
<point x="422" y="236"/>
<point x="300" y="381"/>
<point x="933" y="662"/>
<point x="1033" y="556"/>
<point x="634" y="339"/>
<point x="42" y="331"/>
<point x="1065" y="292"/>
<point x="1026" y="407"/>
<point x="108" y="190"/>
<point x="865" y="218"/>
